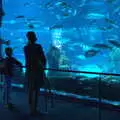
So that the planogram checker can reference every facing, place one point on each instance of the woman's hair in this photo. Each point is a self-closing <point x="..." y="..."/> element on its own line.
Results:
<point x="31" y="36"/>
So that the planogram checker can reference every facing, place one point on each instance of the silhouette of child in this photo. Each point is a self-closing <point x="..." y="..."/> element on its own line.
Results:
<point x="9" y="62"/>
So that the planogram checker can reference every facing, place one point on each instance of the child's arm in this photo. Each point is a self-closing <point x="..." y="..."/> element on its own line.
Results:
<point x="16" y="62"/>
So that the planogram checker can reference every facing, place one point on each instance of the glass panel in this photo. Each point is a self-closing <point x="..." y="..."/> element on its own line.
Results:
<point x="75" y="35"/>
<point x="77" y="27"/>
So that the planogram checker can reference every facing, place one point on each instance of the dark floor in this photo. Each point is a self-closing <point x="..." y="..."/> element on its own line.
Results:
<point x="62" y="111"/>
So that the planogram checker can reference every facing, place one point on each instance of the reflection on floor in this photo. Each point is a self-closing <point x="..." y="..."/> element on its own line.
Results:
<point x="62" y="111"/>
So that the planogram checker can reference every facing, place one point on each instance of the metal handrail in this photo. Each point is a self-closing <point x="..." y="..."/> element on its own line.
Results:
<point x="76" y="71"/>
<point x="86" y="72"/>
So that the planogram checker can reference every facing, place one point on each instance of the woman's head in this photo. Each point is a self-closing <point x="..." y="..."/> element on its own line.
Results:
<point x="31" y="36"/>
<point x="8" y="51"/>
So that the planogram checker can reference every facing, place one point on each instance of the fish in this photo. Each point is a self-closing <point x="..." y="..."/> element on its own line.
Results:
<point x="26" y="4"/>
<point x="75" y="44"/>
<point x="58" y="17"/>
<point x="56" y="27"/>
<point x="114" y="42"/>
<point x="109" y="21"/>
<point x="49" y="5"/>
<point x="62" y="4"/>
<point x="20" y="16"/>
<point x="83" y="2"/>
<point x="117" y="10"/>
<point x="75" y="12"/>
<point x="31" y="26"/>
<point x="33" y="21"/>
<point x="30" y="19"/>
<point x="103" y="46"/>
<point x="70" y="12"/>
<point x="65" y="14"/>
<point x="115" y="26"/>
<point x="105" y="28"/>
<point x="91" y="53"/>
<point x="95" y="16"/>
<point x="112" y="22"/>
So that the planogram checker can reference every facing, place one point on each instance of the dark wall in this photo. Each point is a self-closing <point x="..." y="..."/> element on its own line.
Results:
<point x="1" y="12"/>
<point x="1" y="15"/>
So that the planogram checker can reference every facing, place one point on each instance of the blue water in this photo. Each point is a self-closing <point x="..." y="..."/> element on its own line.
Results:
<point x="82" y="24"/>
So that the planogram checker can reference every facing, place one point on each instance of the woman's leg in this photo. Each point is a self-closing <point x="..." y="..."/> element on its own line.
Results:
<point x="30" y="98"/>
<point x="36" y="99"/>
<point x="7" y="90"/>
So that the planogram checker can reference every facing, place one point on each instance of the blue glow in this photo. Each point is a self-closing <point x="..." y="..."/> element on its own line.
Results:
<point x="56" y="38"/>
<point x="15" y="85"/>
<point x="95" y="16"/>
<point x="18" y="85"/>
<point x="12" y="21"/>
<point x="90" y="68"/>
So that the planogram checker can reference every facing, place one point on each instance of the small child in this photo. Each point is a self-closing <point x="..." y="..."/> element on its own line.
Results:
<point x="8" y="73"/>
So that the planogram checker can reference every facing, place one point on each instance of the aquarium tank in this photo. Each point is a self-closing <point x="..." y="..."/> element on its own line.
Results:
<point x="81" y="35"/>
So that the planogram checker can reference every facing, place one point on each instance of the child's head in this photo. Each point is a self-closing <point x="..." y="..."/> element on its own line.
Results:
<point x="8" y="51"/>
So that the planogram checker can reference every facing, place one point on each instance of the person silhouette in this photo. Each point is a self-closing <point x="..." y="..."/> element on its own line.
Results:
<point x="9" y="64"/>
<point x="35" y="64"/>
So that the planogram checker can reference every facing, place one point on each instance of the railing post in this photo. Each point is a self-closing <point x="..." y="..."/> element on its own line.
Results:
<point x="1" y="15"/>
<point x="99" y="97"/>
